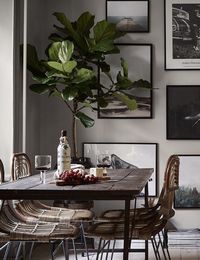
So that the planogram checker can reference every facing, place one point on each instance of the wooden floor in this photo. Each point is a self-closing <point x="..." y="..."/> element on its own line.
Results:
<point x="42" y="253"/>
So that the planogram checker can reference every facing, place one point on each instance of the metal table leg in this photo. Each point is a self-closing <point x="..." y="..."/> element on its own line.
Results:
<point x="126" y="229"/>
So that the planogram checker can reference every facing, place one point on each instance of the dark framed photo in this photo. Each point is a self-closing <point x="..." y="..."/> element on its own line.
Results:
<point x="139" y="59"/>
<point x="188" y="194"/>
<point x="129" y="16"/>
<point x="182" y="34"/>
<point x="124" y="156"/>
<point x="183" y="112"/>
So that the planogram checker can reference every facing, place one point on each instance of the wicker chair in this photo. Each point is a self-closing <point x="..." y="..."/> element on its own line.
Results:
<point x="118" y="214"/>
<point x="145" y="227"/>
<point x="38" y="211"/>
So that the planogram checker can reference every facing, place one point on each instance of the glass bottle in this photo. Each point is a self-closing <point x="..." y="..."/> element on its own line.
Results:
<point x="63" y="154"/>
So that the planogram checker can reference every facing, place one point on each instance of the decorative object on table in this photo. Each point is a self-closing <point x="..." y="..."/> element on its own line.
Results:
<point x="127" y="156"/>
<point x="63" y="154"/>
<point x="183" y="112"/>
<point x="129" y="16"/>
<point x="43" y="164"/>
<point x="188" y="194"/>
<point x="69" y="74"/>
<point x="182" y="42"/>
<point x="139" y="58"/>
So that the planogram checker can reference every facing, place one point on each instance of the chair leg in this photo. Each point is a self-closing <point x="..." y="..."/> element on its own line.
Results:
<point x="7" y="251"/>
<point x="74" y="247"/>
<point x="154" y="249"/>
<point x="31" y="250"/>
<point x="113" y="248"/>
<point x="65" y="249"/>
<point x="165" y="242"/>
<point x="162" y="246"/>
<point x="51" y="250"/>
<point x="107" y="250"/>
<point x="18" y="251"/>
<point x="99" y="249"/>
<point x="84" y="240"/>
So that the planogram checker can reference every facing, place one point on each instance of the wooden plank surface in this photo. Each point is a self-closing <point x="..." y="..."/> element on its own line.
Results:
<point x="124" y="184"/>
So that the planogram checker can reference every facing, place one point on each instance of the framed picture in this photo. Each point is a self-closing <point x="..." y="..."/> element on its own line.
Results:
<point x="139" y="59"/>
<point x="183" y="112"/>
<point x="182" y="34"/>
<point x="124" y="156"/>
<point x="188" y="194"/>
<point x="129" y="16"/>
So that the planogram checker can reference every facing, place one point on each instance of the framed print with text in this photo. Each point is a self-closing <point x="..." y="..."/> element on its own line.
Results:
<point x="182" y="34"/>
<point x="125" y="156"/>
<point x="129" y="16"/>
<point x="139" y="59"/>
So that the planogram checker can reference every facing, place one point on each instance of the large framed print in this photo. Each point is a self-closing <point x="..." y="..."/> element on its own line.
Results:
<point x="188" y="194"/>
<point x="183" y="112"/>
<point x="124" y="156"/>
<point x="182" y="34"/>
<point x="129" y="16"/>
<point x="139" y="59"/>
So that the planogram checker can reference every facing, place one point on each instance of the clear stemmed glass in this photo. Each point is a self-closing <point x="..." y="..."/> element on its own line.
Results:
<point x="104" y="161"/>
<point x="43" y="164"/>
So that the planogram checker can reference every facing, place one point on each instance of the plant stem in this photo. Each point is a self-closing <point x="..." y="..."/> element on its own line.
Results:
<point x="74" y="130"/>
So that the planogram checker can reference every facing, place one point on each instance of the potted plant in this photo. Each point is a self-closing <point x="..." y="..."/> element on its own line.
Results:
<point x="75" y="58"/>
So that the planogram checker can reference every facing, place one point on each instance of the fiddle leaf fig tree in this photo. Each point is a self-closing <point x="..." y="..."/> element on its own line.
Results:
<point x="77" y="52"/>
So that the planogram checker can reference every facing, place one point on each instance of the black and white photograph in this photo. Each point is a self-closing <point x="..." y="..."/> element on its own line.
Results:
<point x="139" y="60"/>
<point x="182" y="20"/>
<point x="129" y="16"/>
<point x="188" y="194"/>
<point x="124" y="156"/>
<point x="183" y="112"/>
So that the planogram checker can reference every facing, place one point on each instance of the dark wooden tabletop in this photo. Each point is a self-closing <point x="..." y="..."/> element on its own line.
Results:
<point x="124" y="184"/>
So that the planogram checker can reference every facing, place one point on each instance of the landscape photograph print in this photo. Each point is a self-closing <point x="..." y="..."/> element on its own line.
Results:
<point x="129" y="16"/>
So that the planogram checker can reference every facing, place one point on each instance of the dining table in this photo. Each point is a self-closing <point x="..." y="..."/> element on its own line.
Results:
<point x="121" y="184"/>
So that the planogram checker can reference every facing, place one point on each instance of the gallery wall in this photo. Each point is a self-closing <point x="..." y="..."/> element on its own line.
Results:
<point x="54" y="116"/>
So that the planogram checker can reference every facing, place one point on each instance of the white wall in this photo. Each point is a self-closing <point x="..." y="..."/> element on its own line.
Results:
<point x="54" y="115"/>
<point x="6" y="86"/>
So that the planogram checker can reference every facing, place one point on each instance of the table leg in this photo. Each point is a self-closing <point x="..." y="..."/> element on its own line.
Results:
<point x="126" y="229"/>
<point x="146" y="194"/>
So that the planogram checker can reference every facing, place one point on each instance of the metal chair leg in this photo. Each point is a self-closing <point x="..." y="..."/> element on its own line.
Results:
<point x="18" y="251"/>
<point x="157" y="248"/>
<point x="154" y="249"/>
<point x="113" y="248"/>
<point x="8" y="245"/>
<point x="165" y="242"/>
<point x="99" y="249"/>
<point x="107" y="250"/>
<point x="74" y="247"/>
<point x="162" y="246"/>
<point x="51" y="250"/>
<point x="84" y="240"/>
<point x="31" y="250"/>
<point x="65" y="249"/>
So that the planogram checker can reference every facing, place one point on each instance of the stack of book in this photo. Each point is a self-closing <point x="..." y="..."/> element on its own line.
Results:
<point x="184" y="238"/>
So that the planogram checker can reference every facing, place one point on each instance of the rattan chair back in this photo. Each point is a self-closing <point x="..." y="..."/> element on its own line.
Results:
<point x="21" y="166"/>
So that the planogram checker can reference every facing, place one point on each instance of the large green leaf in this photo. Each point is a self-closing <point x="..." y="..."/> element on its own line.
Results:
<point x="70" y="30"/>
<point x="85" y="120"/>
<point x="84" y="23"/>
<point x="104" y="31"/>
<point x="39" y="88"/>
<point x="66" y="51"/>
<point x="55" y="65"/>
<point x="123" y="82"/>
<point x="69" y="94"/>
<point x="54" y="50"/>
<point x="130" y="103"/>
<point x="83" y="75"/>
<point x="69" y="66"/>
<point x="104" y="46"/>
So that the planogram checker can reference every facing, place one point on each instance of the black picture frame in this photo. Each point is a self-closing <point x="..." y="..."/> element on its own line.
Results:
<point x="139" y="59"/>
<point x="126" y="155"/>
<point x="188" y="194"/>
<point x="183" y="112"/>
<point x="131" y="16"/>
<point x="182" y="34"/>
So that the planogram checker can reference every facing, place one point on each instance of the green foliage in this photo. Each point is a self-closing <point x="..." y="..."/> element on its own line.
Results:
<point x="68" y="71"/>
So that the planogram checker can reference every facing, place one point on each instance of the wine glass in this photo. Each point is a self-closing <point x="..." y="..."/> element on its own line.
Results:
<point x="104" y="161"/>
<point x="43" y="164"/>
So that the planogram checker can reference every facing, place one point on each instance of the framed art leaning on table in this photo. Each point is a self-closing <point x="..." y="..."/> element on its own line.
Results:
<point x="125" y="156"/>
<point x="182" y="34"/>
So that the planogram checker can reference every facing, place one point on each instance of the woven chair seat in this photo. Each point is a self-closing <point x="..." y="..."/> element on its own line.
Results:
<point x="52" y="214"/>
